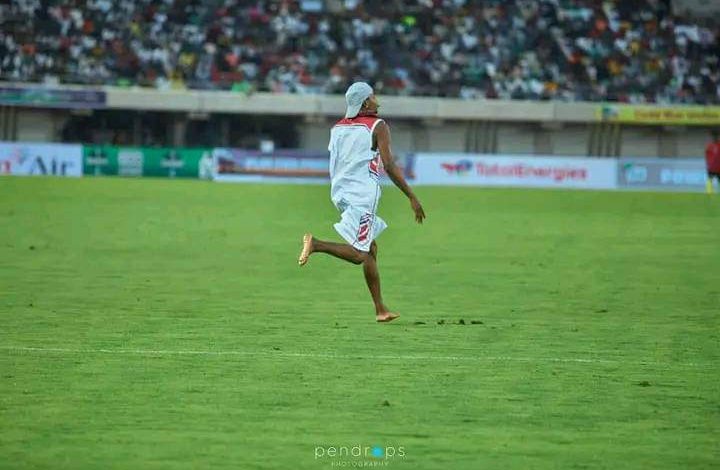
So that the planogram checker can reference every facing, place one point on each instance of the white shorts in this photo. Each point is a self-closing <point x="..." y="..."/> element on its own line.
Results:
<point x="359" y="227"/>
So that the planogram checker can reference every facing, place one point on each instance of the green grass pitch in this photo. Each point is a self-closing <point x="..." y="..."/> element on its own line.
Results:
<point x="166" y="324"/>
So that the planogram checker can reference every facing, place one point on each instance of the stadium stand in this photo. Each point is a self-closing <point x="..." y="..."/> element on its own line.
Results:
<point x="634" y="51"/>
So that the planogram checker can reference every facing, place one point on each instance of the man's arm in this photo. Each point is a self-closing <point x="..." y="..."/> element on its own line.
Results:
<point x="382" y="134"/>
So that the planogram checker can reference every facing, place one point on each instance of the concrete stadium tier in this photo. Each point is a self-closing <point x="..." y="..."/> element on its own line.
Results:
<point x="418" y="124"/>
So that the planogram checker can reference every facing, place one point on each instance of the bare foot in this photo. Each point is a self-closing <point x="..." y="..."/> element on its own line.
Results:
<point x="307" y="249"/>
<point x="386" y="317"/>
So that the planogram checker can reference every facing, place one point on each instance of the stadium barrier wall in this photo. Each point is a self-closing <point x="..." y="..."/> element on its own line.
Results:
<point x="105" y="160"/>
<point x="459" y="169"/>
<point x="677" y="174"/>
<point x="659" y="115"/>
<point x="462" y="169"/>
<point x="36" y="159"/>
<point x="311" y="167"/>
<point x="27" y="158"/>
<point x="280" y="166"/>
<point x="52" y="97"/>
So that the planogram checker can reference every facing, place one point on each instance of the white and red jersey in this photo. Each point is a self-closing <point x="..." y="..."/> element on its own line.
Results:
<point x="354" y="164"/>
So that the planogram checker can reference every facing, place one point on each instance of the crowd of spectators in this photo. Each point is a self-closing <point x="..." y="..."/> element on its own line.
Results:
<point x="616" y="50"/>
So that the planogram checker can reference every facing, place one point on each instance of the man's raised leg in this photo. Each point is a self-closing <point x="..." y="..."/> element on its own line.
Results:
<point x="339" y="250"/>
<point x="352" y="255"/>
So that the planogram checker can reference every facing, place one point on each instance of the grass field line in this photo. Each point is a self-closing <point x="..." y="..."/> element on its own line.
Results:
<point x="321" y="355"/>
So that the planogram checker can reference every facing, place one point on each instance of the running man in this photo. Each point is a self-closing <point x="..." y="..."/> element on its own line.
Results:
<point x="712" y="161"/>
<point x="358" y="145"/>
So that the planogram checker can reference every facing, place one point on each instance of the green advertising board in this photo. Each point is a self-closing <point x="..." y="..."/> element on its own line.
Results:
<point x="108" y="160"/>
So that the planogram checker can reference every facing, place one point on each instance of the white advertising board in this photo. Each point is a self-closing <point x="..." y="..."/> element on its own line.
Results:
<point x="457" y="169"/>
<point x="21" y="158"/>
